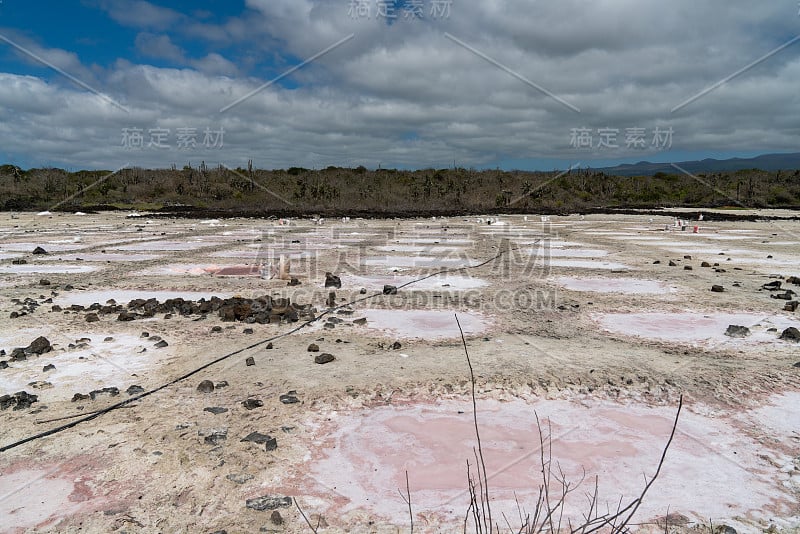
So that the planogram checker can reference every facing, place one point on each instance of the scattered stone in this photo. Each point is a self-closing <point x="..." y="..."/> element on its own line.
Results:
<point x="40" y="384"/>
<point x="216" y="410"/>
<point x="247" y="331"/>
<point x="19" y="262"/>
<point x="331" y="302"/>
<point x="294" y="282"/>
<point x="221" y="384"/>
<point x="724" y="529"/>
<point x="268" y="346"/>
<point x="672" y="520"/>
<point x="657" y="262"/>
<point x="289" y="398"/>
<point x="331" y="280"/>
<point x="687" y="257"/>
<point x="313" y="347"/>
<point x="268" y="502"/>
<point x="3" y="364"/>
<point x="790" y="306"/>
<point x="249" y="361"/>
<point x="44" y="282"/>
<point x="363" y="291"/>
<point x="790" y="334"/>
<point x="257" y="437"/>
<point x="395" y="346"/>
<point x="737" y="331"/>
<point x="40" y="345"/>
<point x="389" y="290"/>
<point x="275" y="518"/>
<point x="134" y="390"/>
<point x="672" y="263"/>
<point x="79" y="397"/>
<point x="206" y="386"/>
<point x="687" y="267"/>
<point x="323" y="358"/>
<point x="161" y="344"/>
<point x="18" y="355"/>
<point x="216" y="436"/>
<point x="20" y="400"/>
<point x="239" y="478"/>
<point x="126" y="316"/>
<point x="92" y="318"/>
<point x="360" y="321"/>
<point x="252" y="404"/>
<point x="48" y="367"/>
<point x="111" y="392"/>
<point x="216" y="329"/>
<point x="787" y="295"/>
<point x="705" y="264"/>
<point x="39" y="250"/>
<point x="717" y="288"/>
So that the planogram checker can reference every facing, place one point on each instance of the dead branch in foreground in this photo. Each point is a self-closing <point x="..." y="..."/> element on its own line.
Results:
<point x="549" y="509"/>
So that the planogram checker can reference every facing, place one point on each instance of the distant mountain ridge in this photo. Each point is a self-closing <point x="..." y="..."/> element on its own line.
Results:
<point x="764" y="162"/>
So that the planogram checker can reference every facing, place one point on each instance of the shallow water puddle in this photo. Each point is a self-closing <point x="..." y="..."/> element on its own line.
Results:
<point x="696" y="327"/>
<point x="631" y="286"/>
<point x="424" y="324"/>
<point x="712" y="470"/>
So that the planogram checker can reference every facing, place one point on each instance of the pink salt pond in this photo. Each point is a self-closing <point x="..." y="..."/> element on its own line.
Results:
<point x="712" y="470"/>
<point x="696" y="328"/>
<point x="425" y="324"/>
<point x="628" y="286"/>
<point x="198" y="269"/>
<point x="31" y="497"/>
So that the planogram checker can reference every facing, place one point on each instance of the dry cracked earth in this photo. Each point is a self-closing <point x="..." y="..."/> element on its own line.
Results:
<point x="213" y="379"/>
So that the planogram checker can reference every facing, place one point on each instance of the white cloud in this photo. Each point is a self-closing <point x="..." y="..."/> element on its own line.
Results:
<point x="406" y="95"/>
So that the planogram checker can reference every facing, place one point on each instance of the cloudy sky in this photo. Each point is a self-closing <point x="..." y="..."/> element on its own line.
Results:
<point x="515" y="84"/>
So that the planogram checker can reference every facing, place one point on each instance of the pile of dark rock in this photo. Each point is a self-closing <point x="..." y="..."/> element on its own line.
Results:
<point x="38" y="346"/>
<point x="779" y="292"/>
<point x="262" y="310"/>
<point x="20" y="400"/>
<point x="26" y="306"/>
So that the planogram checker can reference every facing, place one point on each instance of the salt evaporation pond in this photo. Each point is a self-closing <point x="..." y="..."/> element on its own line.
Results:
<point x="424" y="324"/>
<point x="101" y="364"/>
<point x="712" y="467"/>
<point x="697" y="328"/>
<point x="445" y="281"/>
<point x="630" y="286"/>
<point x="46" y="269"/>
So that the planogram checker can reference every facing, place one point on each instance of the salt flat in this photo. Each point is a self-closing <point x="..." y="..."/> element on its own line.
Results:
<point x="594" y="324"/>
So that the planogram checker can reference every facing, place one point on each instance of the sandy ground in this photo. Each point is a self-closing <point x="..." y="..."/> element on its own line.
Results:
<point x="573" y="322"/>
